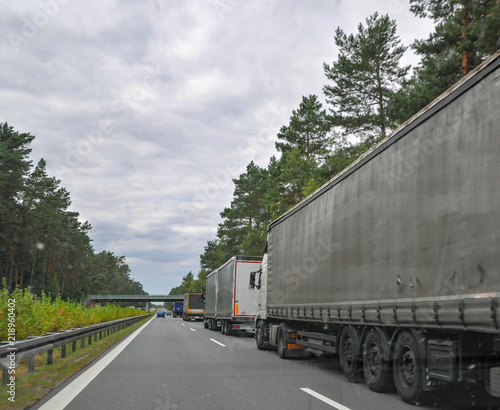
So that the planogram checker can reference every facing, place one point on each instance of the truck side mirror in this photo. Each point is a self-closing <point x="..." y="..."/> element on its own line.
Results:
<point x="252" y="280"/>
<point x="253" y="275"/>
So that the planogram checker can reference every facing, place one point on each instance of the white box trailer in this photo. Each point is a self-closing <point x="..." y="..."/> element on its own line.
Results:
<point x="230" y="304"/>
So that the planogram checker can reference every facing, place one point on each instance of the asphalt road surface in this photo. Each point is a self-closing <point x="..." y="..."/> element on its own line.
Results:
<point x="171" y="364"/>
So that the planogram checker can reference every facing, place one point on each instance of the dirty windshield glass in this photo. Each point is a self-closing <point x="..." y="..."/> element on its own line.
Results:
<point x="220" y="204"/>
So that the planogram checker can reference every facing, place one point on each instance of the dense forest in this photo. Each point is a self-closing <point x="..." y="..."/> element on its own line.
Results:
<point x="43" y="245"/>
<point x="368" y="94"/>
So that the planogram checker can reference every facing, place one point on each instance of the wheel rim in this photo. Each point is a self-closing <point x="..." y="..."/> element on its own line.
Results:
<point x="373" y="360"/>
<point x="407" y="364"/>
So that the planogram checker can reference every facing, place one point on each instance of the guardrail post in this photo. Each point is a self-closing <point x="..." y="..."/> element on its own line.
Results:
<point x="95" y="337"/>
<point x="63" y="351"/>
<point x="50" y="354"/>
<point x="73" y="346"/>
<point x="82" y="344"/>
<point x="31" y="364"/>
<point x="90" y="340"/>
<point x="5" y="375"/>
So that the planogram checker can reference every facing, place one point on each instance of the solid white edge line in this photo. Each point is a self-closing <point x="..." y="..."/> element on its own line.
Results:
<point x="66" y="395"/>
<point x="324" y="399"/>
<point x="192" y="329"/>
<point x="219" y="343"/>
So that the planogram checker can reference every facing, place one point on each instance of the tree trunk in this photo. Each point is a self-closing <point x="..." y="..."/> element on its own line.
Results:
<point x="65" y="272"/>
<point x="380" y="102"/>
<point x="465" y="54"/>
<point x="49" y="263"/>
<point x="11" y="270"/>
<point x="33" y="264"/>
<point x="74" y="280"/>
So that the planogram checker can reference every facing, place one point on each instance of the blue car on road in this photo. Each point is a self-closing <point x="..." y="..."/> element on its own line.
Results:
<point x="161" y="313"/>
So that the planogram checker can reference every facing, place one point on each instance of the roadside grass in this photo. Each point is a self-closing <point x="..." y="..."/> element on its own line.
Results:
<point x="32" y="387"/>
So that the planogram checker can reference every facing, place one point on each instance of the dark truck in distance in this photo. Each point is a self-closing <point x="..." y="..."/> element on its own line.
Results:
<point x="394" y="264"/>
<point x="177" y="309"/>
<point x="193" y="307"/>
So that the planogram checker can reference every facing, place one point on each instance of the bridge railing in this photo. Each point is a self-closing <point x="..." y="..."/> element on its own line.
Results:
<point x="134" y="297"/>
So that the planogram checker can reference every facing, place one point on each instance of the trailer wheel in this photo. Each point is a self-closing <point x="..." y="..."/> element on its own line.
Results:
<point x="349" y="361"/>
<point x="281" y="344"/>
<point x="229" y="328"/>
<point x="407" y="368"/>
<point x="259" y="336"/>
<point x="377" y="371"/>
<point x="205" y="323"/>
<point x="224" y="327"/>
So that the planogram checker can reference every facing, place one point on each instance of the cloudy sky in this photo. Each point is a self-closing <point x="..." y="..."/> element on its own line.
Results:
<point x="147" y="109"/>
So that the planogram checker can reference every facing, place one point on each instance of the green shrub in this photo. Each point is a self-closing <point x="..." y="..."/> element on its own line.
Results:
<point x="39" y="315"/>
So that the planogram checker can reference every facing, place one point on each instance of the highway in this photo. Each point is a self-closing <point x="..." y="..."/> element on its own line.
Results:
<point x="171" y="364"/>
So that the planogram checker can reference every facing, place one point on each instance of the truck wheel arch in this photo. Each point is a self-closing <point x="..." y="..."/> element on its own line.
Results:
<point x="387" y="342"/>
<point x="419" y="337"/>
<point x="357" y="338"/>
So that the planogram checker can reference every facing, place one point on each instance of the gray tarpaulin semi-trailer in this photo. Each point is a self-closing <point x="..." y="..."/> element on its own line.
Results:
<point x="230" y="303"/>
<point x="394" y="264"/>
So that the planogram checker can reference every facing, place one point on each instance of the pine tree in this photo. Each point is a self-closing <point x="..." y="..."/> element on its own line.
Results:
<point x="247" y="213"/>
<point x="307" y="131"/>
<point x="209" y="258"/>
<point x="304" y="144"/>
<point x="365" y="76"/>
<point x="467" y="32"/>
<point x="14" y="166"/>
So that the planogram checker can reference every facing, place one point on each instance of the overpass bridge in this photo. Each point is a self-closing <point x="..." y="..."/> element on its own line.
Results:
<point x="93" y="299"/>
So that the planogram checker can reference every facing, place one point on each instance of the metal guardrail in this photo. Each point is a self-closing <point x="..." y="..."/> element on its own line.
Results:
<point x="12" y="354"/>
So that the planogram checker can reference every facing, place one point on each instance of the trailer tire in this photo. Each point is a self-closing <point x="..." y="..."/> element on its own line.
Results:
<point x="281" y="344"/>
<point x="349" y="361"/>
<point x="407" y="368"/>
<point x="377" y="371"/>
<point x="224" y="327"/>
<point x="229" y="327"/>
<point x="260" y="330"/>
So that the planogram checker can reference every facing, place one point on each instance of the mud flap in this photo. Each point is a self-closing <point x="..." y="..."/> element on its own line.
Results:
<point x="495" y="381"/>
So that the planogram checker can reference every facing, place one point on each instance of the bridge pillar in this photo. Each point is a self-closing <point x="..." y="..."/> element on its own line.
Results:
<point x="147" y="307"/>
<point x="90" y="302"/>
